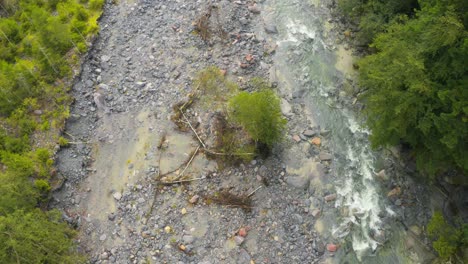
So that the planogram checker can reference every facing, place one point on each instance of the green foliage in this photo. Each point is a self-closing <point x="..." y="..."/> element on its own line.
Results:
<point x="16" y="192"/>
<point x="260" y="114"/>
<point x="36" y="237"/>
<point x="214" y="86"/>
<point x="63" y="142"/>
<point x="96" y="4"/>
<point x="42" y="185"/>
<point x="39" y="43"/>
<point x="447" y="239"/>
<point x="416" y="88"/>
<point x="34" y="43"/>
<point x="373" y="15"/>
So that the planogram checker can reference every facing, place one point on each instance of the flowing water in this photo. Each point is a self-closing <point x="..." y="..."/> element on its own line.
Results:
<point x="311" y="68"/>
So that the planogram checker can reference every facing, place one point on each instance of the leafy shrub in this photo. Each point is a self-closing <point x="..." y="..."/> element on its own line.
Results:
<point x="63" y="142"/>
<point x="447" y="239"/>
<point x="96" y="4"/>
<point x="260" y="114"/>
<point x="416" y="88"/>
<point x="42" y="185"/>
<point x="36" y="236"/>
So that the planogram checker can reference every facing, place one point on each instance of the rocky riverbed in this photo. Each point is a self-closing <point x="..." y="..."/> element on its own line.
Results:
<point x="142" y="63"/>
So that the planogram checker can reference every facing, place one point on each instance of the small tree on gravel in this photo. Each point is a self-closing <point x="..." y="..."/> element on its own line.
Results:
<point x="260" y="115"/>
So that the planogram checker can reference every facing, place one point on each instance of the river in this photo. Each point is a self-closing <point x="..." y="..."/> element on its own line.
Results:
<point x="312" y="70"/>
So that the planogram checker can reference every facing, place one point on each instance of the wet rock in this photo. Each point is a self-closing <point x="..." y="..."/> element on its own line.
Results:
<point x="325" y="156"/>
<point x="325" y="132"/>
<point x="309" y="133"/>
<point x="117" y="196"/>
<point x="398" y="202"/>
<point x="271" y="29"/>
<point x="298" y="181"/>
<point x="330" y="197"/>
<point x="394" y="192"/>
<point x="316" y="141"/>
<point x="297" y="138"/>
<point x="382" y="175"/>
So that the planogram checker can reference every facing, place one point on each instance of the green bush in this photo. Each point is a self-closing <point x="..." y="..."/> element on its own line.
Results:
<point x="42" y="185"/>
<point x="447" y="239"/>
<point x="416" y="88"/>
<point x="260" y="114"/>
<point x="36" y="237"/>
<point x="63" y="142"/>
<point x="96" y="4"/>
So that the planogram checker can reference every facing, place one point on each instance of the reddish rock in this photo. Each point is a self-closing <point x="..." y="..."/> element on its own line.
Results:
<point x="249" y="57"/>
<point x="242" y="232"/>
<point x="332" y="247"/>
<point x="316" y="141"/>
<point x="244" y="65"/>
<point x="296" y="138"/>
<point x="223" y="72"/>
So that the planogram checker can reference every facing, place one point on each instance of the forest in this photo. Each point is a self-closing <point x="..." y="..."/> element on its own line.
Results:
<point x="41" y="43"/>
<point x="414" y="83"/>
<point x="415" y="77"/>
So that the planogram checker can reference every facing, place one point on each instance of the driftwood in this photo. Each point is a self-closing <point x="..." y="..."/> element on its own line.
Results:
<point x="229" y="199"/>
<point x="180" y="181"/>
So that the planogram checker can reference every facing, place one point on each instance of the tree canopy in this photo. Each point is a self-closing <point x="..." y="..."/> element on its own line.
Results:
<point x="417" y="83"/>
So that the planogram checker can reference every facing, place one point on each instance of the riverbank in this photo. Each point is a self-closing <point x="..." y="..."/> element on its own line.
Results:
<point x="143" y="63"/>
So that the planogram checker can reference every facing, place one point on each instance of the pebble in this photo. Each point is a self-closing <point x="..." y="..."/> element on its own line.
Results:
<point x="330" y="197"/>
<point x="316" y="213"/>
<point x="325" y="156"/>
<point x="239" y="240"/>
<point x="183" y="211"/>
<point x="271" y="29"/>
<point x="103" y="237"/>
<point x="117" y="196"/>
<point x="254" y="9"/>
<point x="297" y="138"/>
<point x="194" y="199"/>
<point x="309" y="133"/>
<point x="316" y="141"/>
<point x="332" y="247"/>
<point x="242" y="232"/>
